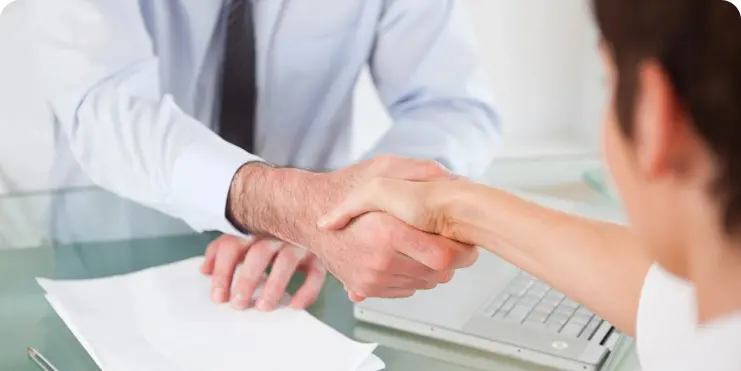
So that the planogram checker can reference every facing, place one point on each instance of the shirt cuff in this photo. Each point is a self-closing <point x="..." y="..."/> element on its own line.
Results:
<point x="201" y="179"/>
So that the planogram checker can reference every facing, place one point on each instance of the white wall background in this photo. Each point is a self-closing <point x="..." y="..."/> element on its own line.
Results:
<point x="543" y="63"/>
<point x="26" y="145"/>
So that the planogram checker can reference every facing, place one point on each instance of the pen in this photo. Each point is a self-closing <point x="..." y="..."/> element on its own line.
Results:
<point x="40" y="360"/>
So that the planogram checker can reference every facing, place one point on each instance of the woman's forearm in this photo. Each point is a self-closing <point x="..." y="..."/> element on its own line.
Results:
<point x="597" y="264"/>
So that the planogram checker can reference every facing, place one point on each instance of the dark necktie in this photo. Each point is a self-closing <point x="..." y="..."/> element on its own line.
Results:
<point x="239" y="87"/>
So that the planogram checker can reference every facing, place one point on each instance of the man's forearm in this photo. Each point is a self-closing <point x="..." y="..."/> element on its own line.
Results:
<point x="577" y="256"/>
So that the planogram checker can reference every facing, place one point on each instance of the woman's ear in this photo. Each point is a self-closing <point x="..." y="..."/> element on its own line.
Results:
<point x="659" y="123"/>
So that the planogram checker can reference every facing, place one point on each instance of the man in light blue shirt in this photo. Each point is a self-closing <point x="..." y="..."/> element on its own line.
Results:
<point x="135" y="86"/>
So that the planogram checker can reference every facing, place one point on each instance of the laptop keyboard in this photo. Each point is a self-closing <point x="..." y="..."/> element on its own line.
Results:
<point x="532" y="303"/>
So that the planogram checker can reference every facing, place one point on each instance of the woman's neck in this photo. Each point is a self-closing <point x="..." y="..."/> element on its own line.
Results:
<point x="715" y="270"/>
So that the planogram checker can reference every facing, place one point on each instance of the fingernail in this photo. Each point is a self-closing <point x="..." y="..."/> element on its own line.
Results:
<point x="240" y="302"/>
<point x="218" y="295"/>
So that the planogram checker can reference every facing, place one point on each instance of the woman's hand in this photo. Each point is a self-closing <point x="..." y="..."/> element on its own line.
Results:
<point x="426" y="206"/>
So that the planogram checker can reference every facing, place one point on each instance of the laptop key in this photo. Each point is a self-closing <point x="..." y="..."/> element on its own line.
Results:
<point x="564" y="311"/>
<point x="537" y="316"/>
<point x="558" y="318"/>
<point x="546" y="307"/>
<point x="508" y="305"/>
<point x="500" y="315"/>
<point x="572" y="329"/>
<point x="533" y="324"/>
<point x="580" y="319"/>
<point x="591" y="328"/>
<point x="554" y="326"/>
<point x="496" y="304"/>
<point x="518" y="313"/>
<point x="584" y="311"/>
<point x="529" y="301"/>
<point x="569" y="304"/>
<point x="555" y="296"/>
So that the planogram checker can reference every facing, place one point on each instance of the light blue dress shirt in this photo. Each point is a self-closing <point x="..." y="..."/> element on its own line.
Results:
<point x="134" y="86"/>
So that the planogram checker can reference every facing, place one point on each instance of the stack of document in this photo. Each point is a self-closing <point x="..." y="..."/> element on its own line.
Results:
<point x="163" y="319"/>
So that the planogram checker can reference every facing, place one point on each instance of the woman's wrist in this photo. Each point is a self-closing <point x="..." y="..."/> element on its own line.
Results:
<point x="461" y="210"/>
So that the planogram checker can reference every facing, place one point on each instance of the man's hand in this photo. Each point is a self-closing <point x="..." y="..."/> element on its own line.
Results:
<point x="224" y="255"/>
<point x="377" y="254"/>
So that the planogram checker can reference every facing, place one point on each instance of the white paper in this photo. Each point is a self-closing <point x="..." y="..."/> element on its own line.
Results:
<point x="163" y="319"/>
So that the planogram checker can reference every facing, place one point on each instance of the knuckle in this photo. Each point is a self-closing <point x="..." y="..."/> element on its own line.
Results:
<point x="250" y="277"/>
<point x="384" y="233"/>
<point x="288" y="257"/>
<point x="472" y="257"/>
<point x="383" y="162"/>
<point x="380" y="263"/>
<point x="369" y="283"/>
<point x="441" y="258"/>
<point x="261" y="249"/>
<point x="373" y="279"/>
<point x="434" y="168"/>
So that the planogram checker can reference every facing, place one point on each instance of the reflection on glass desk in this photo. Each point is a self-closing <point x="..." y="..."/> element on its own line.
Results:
<point x="26" y="319"/>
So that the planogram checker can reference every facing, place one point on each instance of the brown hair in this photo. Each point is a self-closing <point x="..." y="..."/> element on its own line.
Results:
<point x="698" y="44"/>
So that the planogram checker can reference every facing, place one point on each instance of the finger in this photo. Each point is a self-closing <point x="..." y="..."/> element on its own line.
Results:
<point x="405" y="281"/>
<point x="309" y="291"/>
<point x="447" y="277"/>
<point x="419" y="276"/>
<point x="207" y="267"/>
<point x="436" y="252"/>
<point x="465" y="256"/>
<point x="354" y="206"/>
<point x="210" y="257"/>
<point x="256" y="261"/>
<point x="227" y="259"/>
<point x="377" y="195"/>
<point x="283" y="269"/>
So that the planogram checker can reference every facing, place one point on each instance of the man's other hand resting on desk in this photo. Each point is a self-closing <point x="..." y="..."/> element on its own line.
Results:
<point x="255" y="254"/>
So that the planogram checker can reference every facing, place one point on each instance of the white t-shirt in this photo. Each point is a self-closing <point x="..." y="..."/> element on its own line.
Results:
<point x="668" y="336"/>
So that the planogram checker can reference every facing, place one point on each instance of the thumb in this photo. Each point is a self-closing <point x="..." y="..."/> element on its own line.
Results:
<point x="342" y="215"/>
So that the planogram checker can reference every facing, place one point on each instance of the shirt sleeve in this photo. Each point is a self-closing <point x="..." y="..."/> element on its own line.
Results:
<point x="427" y="71"/>
<point x="667" y="316"/>
<point x="101" y="78"/>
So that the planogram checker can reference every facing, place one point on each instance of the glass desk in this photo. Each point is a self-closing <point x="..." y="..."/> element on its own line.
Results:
<point x="26" y="319"/>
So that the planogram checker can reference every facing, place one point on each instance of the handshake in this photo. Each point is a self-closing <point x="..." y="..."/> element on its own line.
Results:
<point x="376" y="236"/>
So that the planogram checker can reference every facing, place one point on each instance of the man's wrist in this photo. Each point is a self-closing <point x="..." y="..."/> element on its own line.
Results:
<point x="268" y="200"/>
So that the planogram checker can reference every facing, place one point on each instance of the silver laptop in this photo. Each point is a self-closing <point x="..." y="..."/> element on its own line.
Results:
<point x="495" y="307"/>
